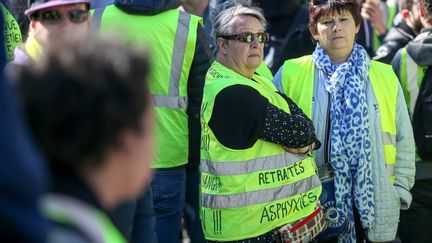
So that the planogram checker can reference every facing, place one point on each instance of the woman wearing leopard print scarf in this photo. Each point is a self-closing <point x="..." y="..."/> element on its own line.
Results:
<point x="358" y="110"/>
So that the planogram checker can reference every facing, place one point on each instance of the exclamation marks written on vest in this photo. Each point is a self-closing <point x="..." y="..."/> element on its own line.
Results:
<point x="217" y="222"/>
<point x="203" y="219"/>
<point x="205" y="138"/>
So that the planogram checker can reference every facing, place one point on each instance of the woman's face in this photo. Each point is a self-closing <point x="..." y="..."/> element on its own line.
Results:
<point x="243" y="57"/>
<point x="336" y="33"/>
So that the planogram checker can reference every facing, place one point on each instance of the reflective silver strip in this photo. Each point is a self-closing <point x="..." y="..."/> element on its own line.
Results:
<point x="97" y="18"/>
<point x="178" y="53"/>
<point x="261" y="196"/>
<point x="390" y="169"/>
<point x="413" y="88"/>
<point x="389" y="138"/>
<point x="170" y="101"/>
<point x="80" y="215"/>
<point x="250" y="166"/>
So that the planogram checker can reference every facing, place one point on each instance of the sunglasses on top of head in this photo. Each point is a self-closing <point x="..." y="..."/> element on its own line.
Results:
<point x="248" y="37"/>
<point x="75" y="16"/>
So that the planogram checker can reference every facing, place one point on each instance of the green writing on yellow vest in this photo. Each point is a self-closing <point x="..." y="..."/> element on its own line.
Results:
<point x="211" y="182"/>
<point x="280" y="210"/>
<point x="11" y="33"/>
<point x="281" y="174"/>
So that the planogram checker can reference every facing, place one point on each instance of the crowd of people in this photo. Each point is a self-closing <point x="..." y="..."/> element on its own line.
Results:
<point x="168" y="121"/>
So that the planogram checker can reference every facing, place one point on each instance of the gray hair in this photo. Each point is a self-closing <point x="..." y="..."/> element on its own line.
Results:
<point x="225" y="14"/>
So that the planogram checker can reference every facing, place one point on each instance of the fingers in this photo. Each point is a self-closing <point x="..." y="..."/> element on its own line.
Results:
<point x="303" y="150"/>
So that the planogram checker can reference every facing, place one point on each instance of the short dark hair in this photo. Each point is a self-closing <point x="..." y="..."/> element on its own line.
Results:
<point x="81" y="96"/>
<point x="406" y="4"/>
<point x="427" y="4"/>
<point x="318" y="8"/>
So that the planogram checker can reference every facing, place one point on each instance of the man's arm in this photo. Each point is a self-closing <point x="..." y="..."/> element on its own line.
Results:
<point x="200" y="65"/>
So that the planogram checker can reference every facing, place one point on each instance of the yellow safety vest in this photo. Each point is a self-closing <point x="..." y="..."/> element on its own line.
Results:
<point x="298" y="83"/>
<point x="171" y="36"/>
<point x="93" y="223"/>
<point x="249" y="192"/>
<point x="11" y="33"/>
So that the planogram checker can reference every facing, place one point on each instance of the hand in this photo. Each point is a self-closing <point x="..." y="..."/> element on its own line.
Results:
<point x="303" y="150"/>
<point x="372" y="12"/>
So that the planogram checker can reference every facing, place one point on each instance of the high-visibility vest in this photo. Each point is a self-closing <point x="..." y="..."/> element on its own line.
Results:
<point x="249" y="192"/>
<point x="411" y="76"/>
<point x="90" y="221"/>
<point x="264" y="71"/>
<point x="298" y="83"/>
<point x="11" y="33"/>
<point x="171" y="37"/>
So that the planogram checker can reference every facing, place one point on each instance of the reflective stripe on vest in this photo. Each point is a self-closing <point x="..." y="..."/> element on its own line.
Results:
<point x="411" y="76"/>
<point x="172" y="36"/>
<point x="298" y="84"/>
<point x="92" y="222"/>
<point x="249" y="192"/>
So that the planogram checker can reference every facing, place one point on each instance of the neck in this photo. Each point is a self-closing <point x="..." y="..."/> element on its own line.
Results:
<point x="197" y="8"/>
<point x="105" y="184"/>
<point x="232" y="65"/>
<point x="339" y="57"/>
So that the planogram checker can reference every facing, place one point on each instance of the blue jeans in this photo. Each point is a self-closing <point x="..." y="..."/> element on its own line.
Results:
<point x="192" y="209"/>
<point x="168" y="187"/>
<point x="135" y="219"/>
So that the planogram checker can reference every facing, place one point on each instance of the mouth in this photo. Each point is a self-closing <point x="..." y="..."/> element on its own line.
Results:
<point x="254" y="55"/>
<point x="338" y="37"/>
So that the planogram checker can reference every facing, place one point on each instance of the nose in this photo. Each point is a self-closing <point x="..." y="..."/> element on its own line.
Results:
<point x="255" y="43"/>
<point x="336" y="27"/>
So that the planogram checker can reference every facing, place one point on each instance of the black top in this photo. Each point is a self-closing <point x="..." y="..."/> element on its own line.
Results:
<point x="200" y="64"/>
<point x="241" y="116"/>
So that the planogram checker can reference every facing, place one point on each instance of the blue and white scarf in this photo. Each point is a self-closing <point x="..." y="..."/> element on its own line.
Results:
<point x="350" y="145"/>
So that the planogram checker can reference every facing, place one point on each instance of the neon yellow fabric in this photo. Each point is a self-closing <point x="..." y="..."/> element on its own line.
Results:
<point x="264" y="70"/>
<point x="159" y="32"/>
<point x="298" y="83"/>
<point x="33" y="48"/>
<point x="11" y="33"/>
<point x="60" y="214"/>
<point x="254" y="214"/>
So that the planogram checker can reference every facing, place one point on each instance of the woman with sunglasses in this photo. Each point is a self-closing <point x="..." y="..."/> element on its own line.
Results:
<point x="50" y="19"/>
<point x="358" y="109"/>
<point x="257" y="180"/>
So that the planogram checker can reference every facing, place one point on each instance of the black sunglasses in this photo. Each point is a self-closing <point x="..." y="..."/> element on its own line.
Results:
<point x="248" y="37"/>
<point x="55" y="17"/>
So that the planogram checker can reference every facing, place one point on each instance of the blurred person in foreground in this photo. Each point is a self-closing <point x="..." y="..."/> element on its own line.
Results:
<point x="358" y="109"/>
<point x="89" y="108"/>
<point x="23" y="177"/>
<point x="254" y="144"/>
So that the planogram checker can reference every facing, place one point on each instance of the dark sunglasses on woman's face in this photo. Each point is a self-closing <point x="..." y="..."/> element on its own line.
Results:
<point x="55" y="17"/>
<point x="248" y="37"/>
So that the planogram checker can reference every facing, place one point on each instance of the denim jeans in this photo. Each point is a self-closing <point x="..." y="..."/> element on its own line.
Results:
<point x="192" y="210"/>
<point x="135" y="219"/>
<point x="168" y="187"/>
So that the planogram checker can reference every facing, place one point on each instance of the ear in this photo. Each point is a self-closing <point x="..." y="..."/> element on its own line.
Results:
<point x="32" y="26"/>
<point x="222" y="45"/>
<point x="405" y="14"/>
<point x="422" y="11"/>
<point x="357" y="29"/>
